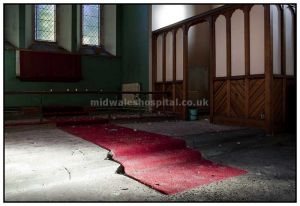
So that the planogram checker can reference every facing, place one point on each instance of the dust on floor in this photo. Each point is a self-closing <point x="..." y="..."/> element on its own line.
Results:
<point x="43" y="163"/>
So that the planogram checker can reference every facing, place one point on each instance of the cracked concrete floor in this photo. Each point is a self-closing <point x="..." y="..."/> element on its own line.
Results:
<point x="43" y="163"/>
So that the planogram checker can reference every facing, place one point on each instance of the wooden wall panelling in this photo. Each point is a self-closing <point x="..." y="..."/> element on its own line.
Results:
<point x="220" y="98"/>
<point x="278" y="103"/>
<point x="179" y="96"/>
<point x="238" y="91"/>
<point x="237" y="98"/>
<point x="168" y="88"/>
<point x="291" y="102"/>
<point x="159" y="87"/>
<point x="284" y="99"/>
<point x="256" y="99"/>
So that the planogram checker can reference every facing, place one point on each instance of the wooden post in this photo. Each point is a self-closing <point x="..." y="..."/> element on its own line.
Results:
<point x="268" y="73"/>
<point x="282" y="25"/>
<point x="174" y="69"/>
<point x="247" y="59"/>
<point x="154" y="61"/>
<point x="154" y="66"/>
<point x="212" y="67"/>
<point x="283" y="69"/>
<point x="185" y="69"/>
<point x="294" y="40"/>
<point x="164" y="68"/>
<point x="228" y="44"/>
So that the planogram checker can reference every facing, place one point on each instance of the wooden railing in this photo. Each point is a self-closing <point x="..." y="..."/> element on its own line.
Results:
<point x="109" y="109"/>
<point x="50" y="92"/>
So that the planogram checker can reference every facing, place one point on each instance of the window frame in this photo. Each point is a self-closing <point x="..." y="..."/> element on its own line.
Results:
<point x="34" y="25"/>
<point x="100" y="37"/>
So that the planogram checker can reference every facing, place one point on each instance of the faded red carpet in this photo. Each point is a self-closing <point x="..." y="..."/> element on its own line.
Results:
<point x="161" y="162"/>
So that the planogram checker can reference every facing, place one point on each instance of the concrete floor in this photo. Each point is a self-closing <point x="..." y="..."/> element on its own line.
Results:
<point x="43" y="163"/>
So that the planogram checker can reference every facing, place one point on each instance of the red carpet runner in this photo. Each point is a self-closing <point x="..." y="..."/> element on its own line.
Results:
<point x="159" y="161"/>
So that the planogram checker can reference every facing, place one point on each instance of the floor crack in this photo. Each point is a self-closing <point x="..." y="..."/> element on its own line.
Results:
<point x="68" y="171"/>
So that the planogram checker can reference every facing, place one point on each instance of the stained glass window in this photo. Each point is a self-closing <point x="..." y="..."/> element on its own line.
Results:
<point x="45" y="22"/>
<point x="91" y="25"/>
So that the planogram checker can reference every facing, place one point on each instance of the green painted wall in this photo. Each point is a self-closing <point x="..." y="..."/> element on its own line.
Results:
<point x="11" y="24"/>
<point x="99" y="72"/>
<point x="135" y="45"/>
<point x="22" y="26"/>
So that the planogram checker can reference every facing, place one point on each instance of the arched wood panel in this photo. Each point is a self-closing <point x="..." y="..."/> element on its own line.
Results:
<point x="169" y="56"/>
<point x="289" y="40"/>
<point x="178" y="81"/>
<point x="221" y="46"/>
<point x="159" y="65"/>
<point x="237" y="43"/>
<point x="276" y="37"/>
<point x="257" y="40"/>
<point x="179" y="54"/>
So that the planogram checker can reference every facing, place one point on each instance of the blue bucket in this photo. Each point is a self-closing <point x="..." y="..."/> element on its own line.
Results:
<point x="193" y="114"/>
